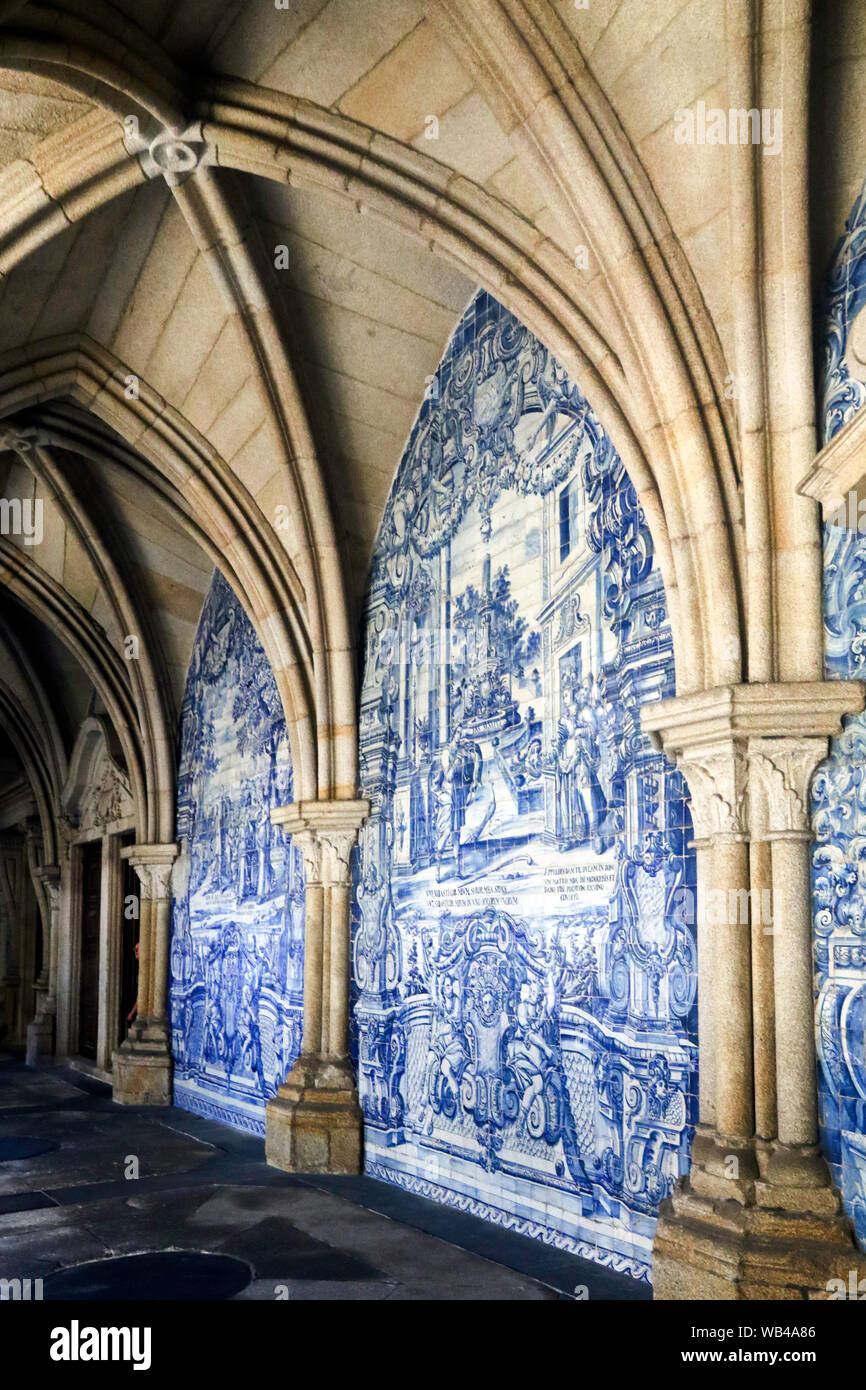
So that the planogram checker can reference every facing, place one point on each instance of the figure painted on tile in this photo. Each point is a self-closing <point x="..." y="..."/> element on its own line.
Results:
<point x="507" y="784"/>
<point x="530" y="1054"/>
<point x="236" y="993"/>
<point x="449" y="1054"/>
<point x="263" y="844"/>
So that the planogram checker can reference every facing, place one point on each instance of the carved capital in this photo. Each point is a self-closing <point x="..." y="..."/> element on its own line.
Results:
<point x="49" y="877"/>
<point x="717" y="784"/>
<point x="21" y="439"/>
<point x="324" y="832"/>
<point x="339" y="845"/>
<point x="780" y="771"/>
<point x="307" y="841"/>
<point x="153" y="864"/>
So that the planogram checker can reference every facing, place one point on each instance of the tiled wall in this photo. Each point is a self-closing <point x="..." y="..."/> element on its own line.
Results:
<point x="523" y="949"/>
<point x="839" y="786"/>
<point x="841" y="345"/>
<point x="839" y="885"/>
<point x="238" y="895"/>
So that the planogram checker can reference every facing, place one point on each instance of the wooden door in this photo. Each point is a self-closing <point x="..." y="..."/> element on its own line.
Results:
<point x="91" y="892"/>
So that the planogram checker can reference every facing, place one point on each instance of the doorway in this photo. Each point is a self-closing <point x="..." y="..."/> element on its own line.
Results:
<point x="91" y="891"/>
<point x="129" y="932"/>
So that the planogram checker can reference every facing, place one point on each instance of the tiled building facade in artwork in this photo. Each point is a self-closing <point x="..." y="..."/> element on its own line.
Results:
<point x="524" y="950"/>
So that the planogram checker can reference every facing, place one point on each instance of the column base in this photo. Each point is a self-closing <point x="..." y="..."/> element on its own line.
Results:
<point x="314" y="1124"/>
<point x="142" y="1066"/>
<point x="784" y="1240"/>
<point x="40" y="1039"/>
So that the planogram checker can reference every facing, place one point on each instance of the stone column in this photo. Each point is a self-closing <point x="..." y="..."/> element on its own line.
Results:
<point x="715" y="772"/>
<point x="314" y="1122"/>
<point x="757" y="1217"/>
<point x="13" y="977"/>
<point x="781" y="772"/>
<point x="763" y="997"/>
<point x="40" y="1033"/>
<point x="142" y="1063"/>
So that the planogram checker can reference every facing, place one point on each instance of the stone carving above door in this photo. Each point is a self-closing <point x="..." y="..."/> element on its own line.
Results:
<point x="97" y="795"/>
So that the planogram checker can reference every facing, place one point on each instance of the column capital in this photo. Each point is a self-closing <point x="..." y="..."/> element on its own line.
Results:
<point x="780" y="770"/>
<point x="153" y="864"/>
<point x="717" y="778"/>
<point x="321" y="816"/>
<point x="310" y="847"/>
<point x="785" y="709"/>
<point x="49" y="877"/>
<point x="340" y="844"/>
<point x="318" y="825"/>
<point x="748" y="752"/>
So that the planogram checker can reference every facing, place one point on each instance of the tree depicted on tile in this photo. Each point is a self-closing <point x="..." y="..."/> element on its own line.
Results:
<point x="236" y="987"/>
<point x="523" y="949"/>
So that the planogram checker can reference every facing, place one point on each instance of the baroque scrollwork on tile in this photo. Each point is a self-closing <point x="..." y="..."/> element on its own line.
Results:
<point x="524" y="1015"/>
<point x="236" y="989"/>
<point x="843" y="391"/>
<point x="838" y="806"/>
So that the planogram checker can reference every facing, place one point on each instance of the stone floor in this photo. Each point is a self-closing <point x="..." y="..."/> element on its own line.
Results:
<point x="204" y="1187"/>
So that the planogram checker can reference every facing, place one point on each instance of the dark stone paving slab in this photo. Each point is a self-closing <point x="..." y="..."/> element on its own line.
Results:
<point x="24" y="1201"/>
<point x="35" y="1090"/>
<point x="93" y="1147"/>
<point x="279" y="1250"/>
<point x="173" y="1276"/>
<point x="14" y="1148"/>
<point x="205" y="1188"/>
<point x="559" y="1268"/>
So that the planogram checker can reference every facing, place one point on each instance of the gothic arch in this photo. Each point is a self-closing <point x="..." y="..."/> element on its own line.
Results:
<point x="85" y="638"/>
<point x="688" y="493"/>
<point x="223" y="517"/>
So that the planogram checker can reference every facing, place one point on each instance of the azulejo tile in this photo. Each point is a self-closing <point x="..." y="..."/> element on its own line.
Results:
<point x="842" y="368"/>
<point x="839" y="785"/>
<point x="236" y="989"/>
<point x="523" y="950"/>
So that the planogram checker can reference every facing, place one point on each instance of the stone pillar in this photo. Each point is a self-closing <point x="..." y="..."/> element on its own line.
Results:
<point x="716" y="771"/>
<point x="41" y="1032"/>
<point x="781" y="772"/>
<point x="142" y="1063"/>
<point x="314" y="1123"/>
<point x="757" y="1217"/>
<point x="763" y="997"/>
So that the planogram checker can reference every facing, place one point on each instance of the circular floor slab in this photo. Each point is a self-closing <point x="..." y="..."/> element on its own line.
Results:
<point x="166" y="1274"/>
<point x="14" y="1148"/>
